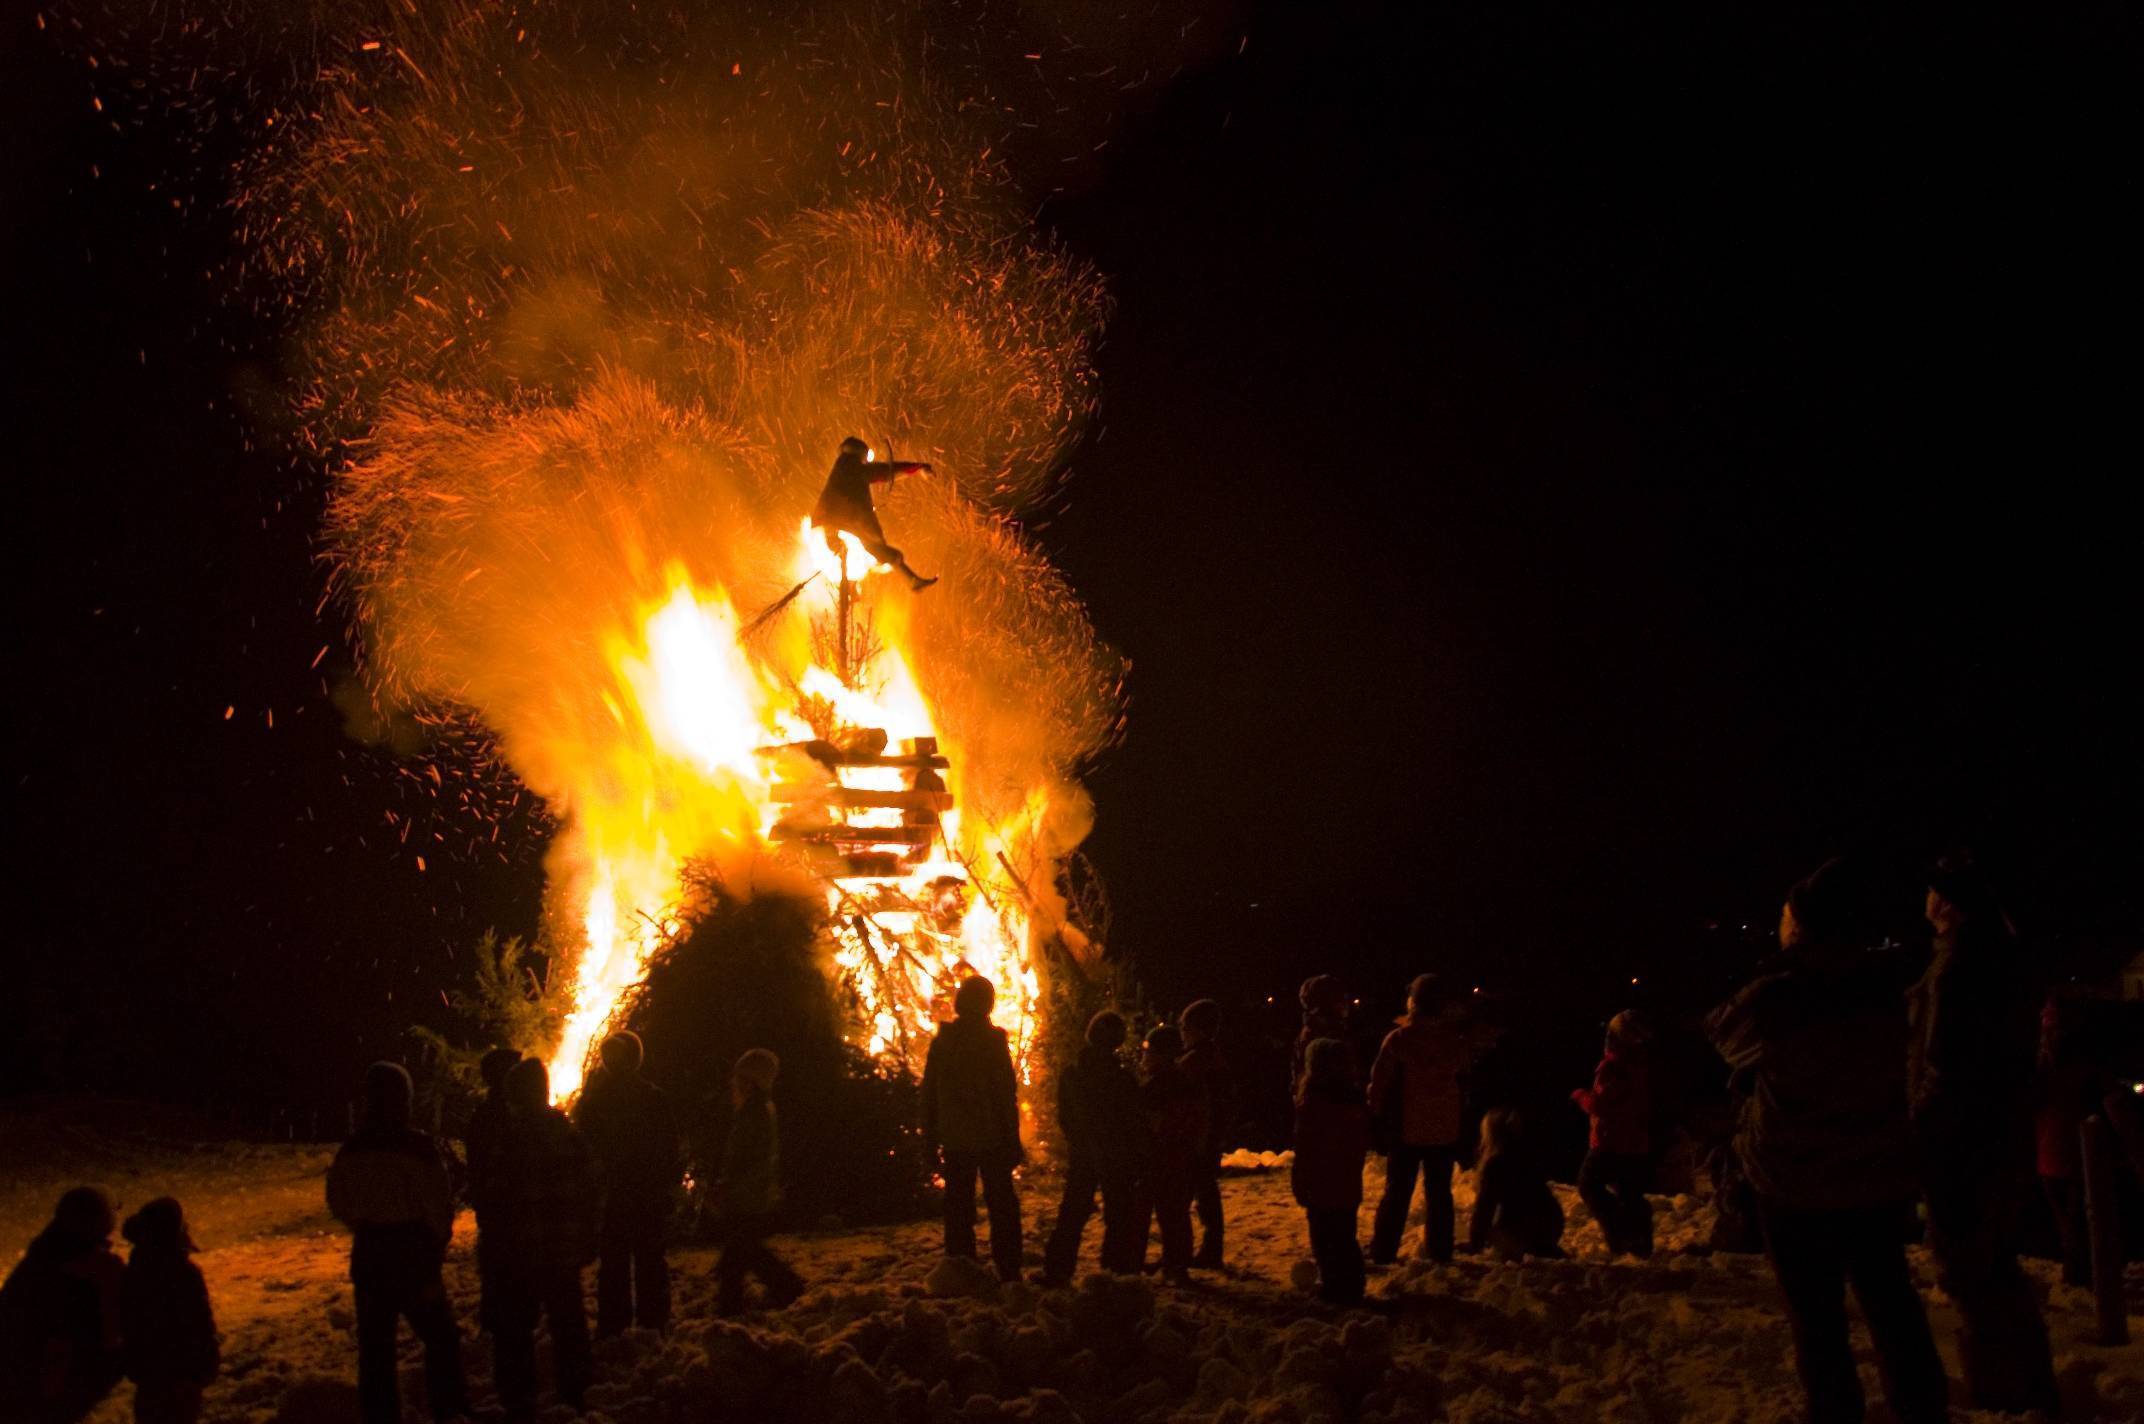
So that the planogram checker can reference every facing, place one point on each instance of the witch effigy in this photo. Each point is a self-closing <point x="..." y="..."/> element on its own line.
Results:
<point x="844" y="505"/>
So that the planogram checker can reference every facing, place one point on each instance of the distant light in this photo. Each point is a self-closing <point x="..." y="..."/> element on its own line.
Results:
<point x="1477" y="988"/>
<point x="1633" y="978"/>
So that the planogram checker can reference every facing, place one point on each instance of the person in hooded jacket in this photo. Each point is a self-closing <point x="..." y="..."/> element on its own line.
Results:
<point x="172" y="1350"/>
<point x="1974" y="1044"/>
<point x="1815" y="1045"/>
<point x="542" y="1193"/>
<point x="748" y="1188"/>
<point x="1516" y="1213"/>
<point x="1176" y="1123"/>
<point x="1332" y="1139"/>
<point x="971" y="1123"/>
<point x="845" y="506"/>
<point x="1200" y="1024"/>
<point x="1417" y="1097"/>
<point x="640" y="1158"/>
<point x="1618" y="1164"/>
<point x="1108" y="1147"/>
<point x="394" y="1188"/>
<point x="60" y="1328"/>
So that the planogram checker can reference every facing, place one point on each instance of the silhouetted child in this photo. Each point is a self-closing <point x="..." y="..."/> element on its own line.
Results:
<point x="1332" y="1137"/>
<point x="481" y="1140"/>
<point x="59" y="1315"/>
<point x="1515" y="1211"/>
<point x="170" y="1328"/>
<point x="748" y="1188"/>
<point x="391" y="1185"/>
<point x="1107" y="1146"/>
<point x="971" y="1125"/>
<point x="542" y="1194"/>
<point x="1176" y="1116"/>
<point x="1613" y="1177"/>
<point x="1325" y="1004"/>
<point x="640" y="1155"/>
<point x="1200" y="1024"/>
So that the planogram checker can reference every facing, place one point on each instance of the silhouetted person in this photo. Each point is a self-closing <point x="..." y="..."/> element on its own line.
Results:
<point x="542" y="1192"/>
<point x="1515" y="1210"/>
<point x="481" y="1140"/>
<point x="1324" y="1001"/>
<point x="748" y="1188"/>
<point x="845" y="506"/>
<point x="391" y="1185"/>
<point x="1417" y="1093"/>
<point x="1200" y="1023"/>
<point x="172" y="1350"/>
<point x="640" y="1159"/>
<point x="59" y="1315"/>
<point x="2070" y="1089"/>
<point x="1618" y="1165"/>
<point x="971" y="1122"/>
<point x="1974" y="1042"/>
<point x="1332" y="1137"/>
<point x="1176" y="1120"/>
<point x="1816" y="1046"/>
<point x="1107" y="1145"/>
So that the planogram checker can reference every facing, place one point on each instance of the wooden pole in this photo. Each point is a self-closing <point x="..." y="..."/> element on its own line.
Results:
<point x="844" y="671"/>
<point x="2105" y="1224"/>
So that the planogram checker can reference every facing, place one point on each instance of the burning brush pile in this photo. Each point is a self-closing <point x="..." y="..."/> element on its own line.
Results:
<point x="585" y="313"/>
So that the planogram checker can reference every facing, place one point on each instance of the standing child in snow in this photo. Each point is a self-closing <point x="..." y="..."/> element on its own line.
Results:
<point x="1417" y="1095"/>
<point x="59" y="1315"/>
<point x="1104" y="1126"/>
<point x="1515" y="1212"/>
<point x="748" y="1189"/>
<point x="1208" y="1071"/>
<point x="971" y="1124"/>
<point x="1325" y="1004"/>
<point x="1176" y="1117"/>
<point x="1332" y="1137"/>
<point x="1612" y="1179"/>
<point x="170" y="1328"/>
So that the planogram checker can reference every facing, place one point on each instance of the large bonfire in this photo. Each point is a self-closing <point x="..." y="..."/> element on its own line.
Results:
<point x="589" y="320"/>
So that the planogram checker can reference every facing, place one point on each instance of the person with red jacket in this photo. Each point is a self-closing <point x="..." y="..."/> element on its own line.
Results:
<point x="1417" y="1096"/>
<point x="845" y="506"/>
<point x="1332" y="1137"/>
<point x="1612" y="1179"/>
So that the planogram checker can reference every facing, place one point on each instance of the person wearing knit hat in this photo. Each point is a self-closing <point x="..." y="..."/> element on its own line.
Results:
<point x="170" y="1328"/>
<point x="1325" y="1004"/>
<point x="59" y="1314"/>
<point x="640" y="1153"/>
<point x="1975" y="1041"/>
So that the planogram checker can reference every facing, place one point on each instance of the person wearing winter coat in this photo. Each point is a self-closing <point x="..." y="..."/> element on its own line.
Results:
<point x="971" y="1124"/>
<point x="845" y="506"/>
<point x="1332" y="1139"/>
<point x="1618" y="1164"/>
<point x="1516" y="1213"/>
<point x="640" y="1159"/>
<point x="1103" y="1120"/>
<point x="1974" y="1043"/>
<point x="1176" y="1122"/>
<point x="392" y="1186"/>
<point x="60" y="1328"/>
<point x="542" y="1192"/>
<point x="1325" y="1004"/>
<point x="1200" y="1024"/>
<point x="1815" y="1046"/>
<point x="172" y="1350"/>
<point x="748" y="1188"/>
<point x="1417" y="1097"/>
<point x="479" y="1141"/>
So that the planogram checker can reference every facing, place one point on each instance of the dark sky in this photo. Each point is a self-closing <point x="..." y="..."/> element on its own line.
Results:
<point x="1559" y="479"/>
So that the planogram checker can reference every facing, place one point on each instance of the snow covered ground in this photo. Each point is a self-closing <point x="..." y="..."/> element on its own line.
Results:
<point x="1686" y="1337"/>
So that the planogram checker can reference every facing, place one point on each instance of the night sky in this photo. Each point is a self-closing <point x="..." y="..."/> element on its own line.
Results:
<point x="1557" y="480"/>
